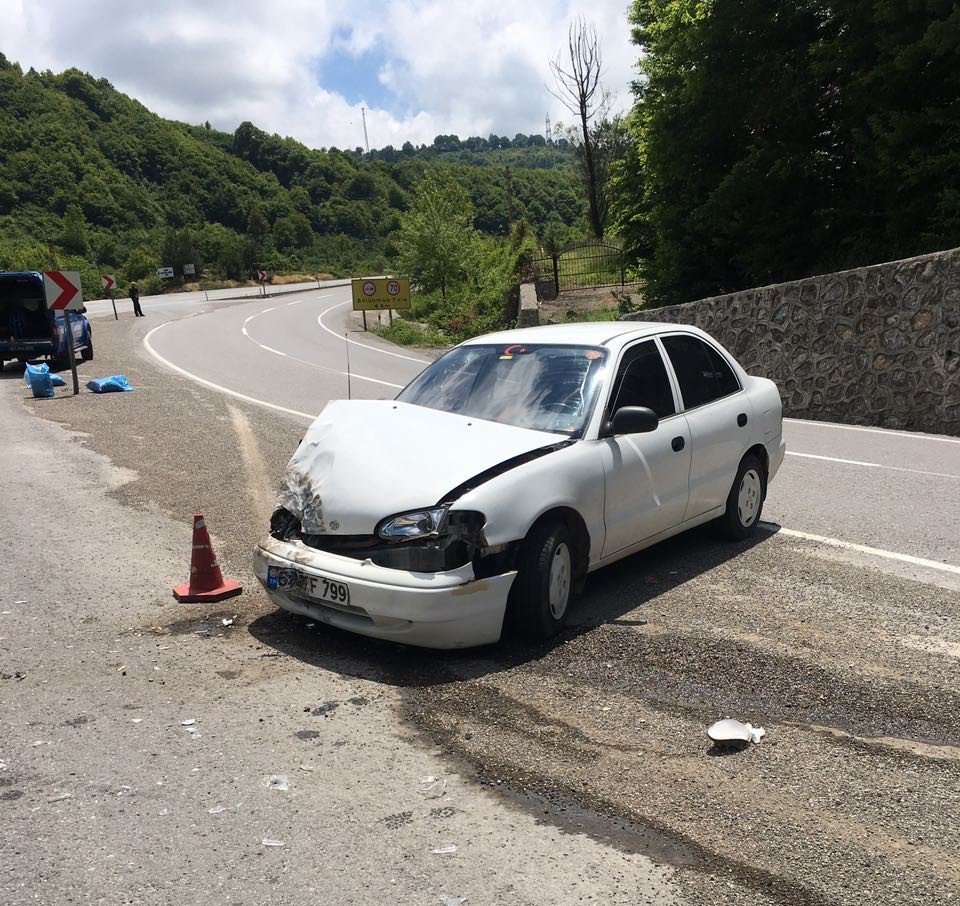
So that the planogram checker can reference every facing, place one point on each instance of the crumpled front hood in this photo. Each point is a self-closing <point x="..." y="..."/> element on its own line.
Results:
<point x="364" y="460"/>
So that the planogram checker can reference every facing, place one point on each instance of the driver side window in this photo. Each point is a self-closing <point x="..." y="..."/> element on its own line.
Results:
<point x="642" y="381"/>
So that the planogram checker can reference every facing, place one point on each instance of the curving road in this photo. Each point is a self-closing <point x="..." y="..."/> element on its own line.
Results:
<point x="888" y="496"/>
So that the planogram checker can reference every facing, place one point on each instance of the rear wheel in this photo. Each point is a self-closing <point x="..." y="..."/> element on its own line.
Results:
<point x="543" y="589"/>
<point x="86" y="354"/>
<point x="745" y="500"/>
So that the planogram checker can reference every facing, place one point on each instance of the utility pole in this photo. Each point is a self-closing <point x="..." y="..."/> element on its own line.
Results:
<point x="366" y="141"/>
<point x="547" y="133"/>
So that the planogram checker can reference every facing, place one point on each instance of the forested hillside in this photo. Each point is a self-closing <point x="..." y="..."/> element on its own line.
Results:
<point x="774" y="140"/>
<point x="90" y="178"/>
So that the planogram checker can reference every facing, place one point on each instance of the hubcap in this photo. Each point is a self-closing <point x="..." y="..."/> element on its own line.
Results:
<point x="748" y="500"/>
<point x="560" y="581"/>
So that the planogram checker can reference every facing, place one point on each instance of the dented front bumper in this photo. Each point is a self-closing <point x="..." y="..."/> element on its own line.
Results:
<point x="450" y="609"/>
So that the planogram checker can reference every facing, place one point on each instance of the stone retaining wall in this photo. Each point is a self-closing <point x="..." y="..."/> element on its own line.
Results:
<point x="877" y="345"/>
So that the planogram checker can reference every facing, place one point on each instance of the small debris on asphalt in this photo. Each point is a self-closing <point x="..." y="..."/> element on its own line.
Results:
<point x="189" y="722"/>
<point x="227" y="622"/>
<point x="266" y="841"/>
<point x="16" y="602"/>
<point x="452" y="901"/>
<point x="217" y="809"/>
<point x="734" y="731"/>
<point x="278" y="782"/>
<point x="444" y="850"/>
<point x="306" y="767"/>
<point x="60" y="797"/>
<point x="432" y="787"/>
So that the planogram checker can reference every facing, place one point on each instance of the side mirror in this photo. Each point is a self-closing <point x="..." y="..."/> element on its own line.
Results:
<point x="631" y="420"/>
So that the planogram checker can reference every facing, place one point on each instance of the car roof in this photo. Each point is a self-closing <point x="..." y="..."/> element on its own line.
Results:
<point x="592" y="333"/>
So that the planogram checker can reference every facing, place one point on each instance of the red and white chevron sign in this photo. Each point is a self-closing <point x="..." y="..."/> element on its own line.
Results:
<point x="107" y="281"/>
<point x="62" y="289"/>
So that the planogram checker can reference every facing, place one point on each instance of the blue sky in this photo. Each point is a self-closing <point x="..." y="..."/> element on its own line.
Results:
<point x="355" y="76"/>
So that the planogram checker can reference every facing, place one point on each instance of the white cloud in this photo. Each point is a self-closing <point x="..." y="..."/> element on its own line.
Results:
<point x="450" y="66"/>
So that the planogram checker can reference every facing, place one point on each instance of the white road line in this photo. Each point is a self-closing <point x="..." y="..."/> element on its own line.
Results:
<point x="396" y="355"/>
<point x="199" y="380"/>
<point x="885" y="431"/>
<point x="287" y="355"/>
<point x="862" y="548"/>
<point x="872" y="465"/>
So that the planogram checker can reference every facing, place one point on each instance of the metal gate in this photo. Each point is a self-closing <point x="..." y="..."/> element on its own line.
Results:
<point x="582" y="265"/>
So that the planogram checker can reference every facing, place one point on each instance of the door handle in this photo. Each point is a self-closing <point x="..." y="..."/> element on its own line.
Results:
<point x="678" y="444"/>
<point x="742" y="419"/>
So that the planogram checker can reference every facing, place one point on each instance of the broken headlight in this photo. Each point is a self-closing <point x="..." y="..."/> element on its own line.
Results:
<point x="419" y="524"/>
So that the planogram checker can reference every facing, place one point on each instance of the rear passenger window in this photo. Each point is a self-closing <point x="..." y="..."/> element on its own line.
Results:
<point x="703" y="373"/>
<point x="643" y="381"/>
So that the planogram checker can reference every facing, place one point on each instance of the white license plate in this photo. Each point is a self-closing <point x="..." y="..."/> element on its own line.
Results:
<point x="318" y="587"/>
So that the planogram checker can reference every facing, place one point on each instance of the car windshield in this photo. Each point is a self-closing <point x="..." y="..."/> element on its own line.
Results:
<point x="542" y="387"/>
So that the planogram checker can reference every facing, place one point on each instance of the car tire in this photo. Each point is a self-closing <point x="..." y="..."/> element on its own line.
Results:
<point x="543" y="589"/>
<point x="745" y="501"/>
<point x="86" y="354"/>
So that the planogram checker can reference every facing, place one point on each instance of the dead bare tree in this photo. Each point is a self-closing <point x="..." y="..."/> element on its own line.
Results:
<point x="579" y="90"/>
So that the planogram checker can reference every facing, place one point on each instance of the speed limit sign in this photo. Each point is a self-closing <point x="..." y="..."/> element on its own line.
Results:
<point x="393" y="287"/>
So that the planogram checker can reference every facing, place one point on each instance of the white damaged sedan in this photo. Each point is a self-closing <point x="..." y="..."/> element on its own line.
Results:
<point x="508" y="470"/>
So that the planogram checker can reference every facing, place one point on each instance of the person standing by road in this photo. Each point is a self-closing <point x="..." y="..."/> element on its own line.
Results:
<point x="135" y="297"/>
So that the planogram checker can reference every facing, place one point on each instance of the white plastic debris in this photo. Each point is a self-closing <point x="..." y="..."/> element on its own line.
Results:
<point x="60" y="797"/>
<point x="217" y="809"/>
<point x="278" y="782"/>
<point x="136" y="720"/>
<point x="266" y="841"/>
<point x="188" y="723"/>
<point x="432" y="787"/>
<point x="16" y="602"/>
<point x="729" y="730"/>
<point x="444" y="850"/>
<point x="226" y="622"/>
<point x="452" y="901"/>
<point x="307" y="767"/>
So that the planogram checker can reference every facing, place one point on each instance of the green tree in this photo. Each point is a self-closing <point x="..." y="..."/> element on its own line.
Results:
<point x="733" y="154"/>
<point x="436" y="234"/>
<point x="257" y="225"/>
<point x="74" y="234"/>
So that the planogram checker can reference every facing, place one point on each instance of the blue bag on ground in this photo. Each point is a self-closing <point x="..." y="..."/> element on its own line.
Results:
<point x="39" y="380"/>
<point x="116" y="383"/>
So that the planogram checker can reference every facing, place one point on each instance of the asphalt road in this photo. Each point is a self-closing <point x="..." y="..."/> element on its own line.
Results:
<point x="576" y="772"/>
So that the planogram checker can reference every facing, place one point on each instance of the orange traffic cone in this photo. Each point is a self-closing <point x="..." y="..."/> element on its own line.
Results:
<point x="206" y="581"/>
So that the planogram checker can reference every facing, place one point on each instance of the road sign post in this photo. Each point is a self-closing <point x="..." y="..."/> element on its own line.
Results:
<point x="73" y="352"/>
<point x="63" y="293"/>
<point x="108" y="282"/>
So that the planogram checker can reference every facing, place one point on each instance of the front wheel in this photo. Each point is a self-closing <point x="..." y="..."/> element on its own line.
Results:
<point x="543" y="588"/>
<point x="745" y="501"/>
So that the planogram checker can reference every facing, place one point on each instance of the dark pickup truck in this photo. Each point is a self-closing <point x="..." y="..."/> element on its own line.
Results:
<point x="28" y="330"/>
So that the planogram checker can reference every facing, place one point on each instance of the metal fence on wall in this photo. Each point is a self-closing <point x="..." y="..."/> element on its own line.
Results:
<point x="583" y="265"/>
